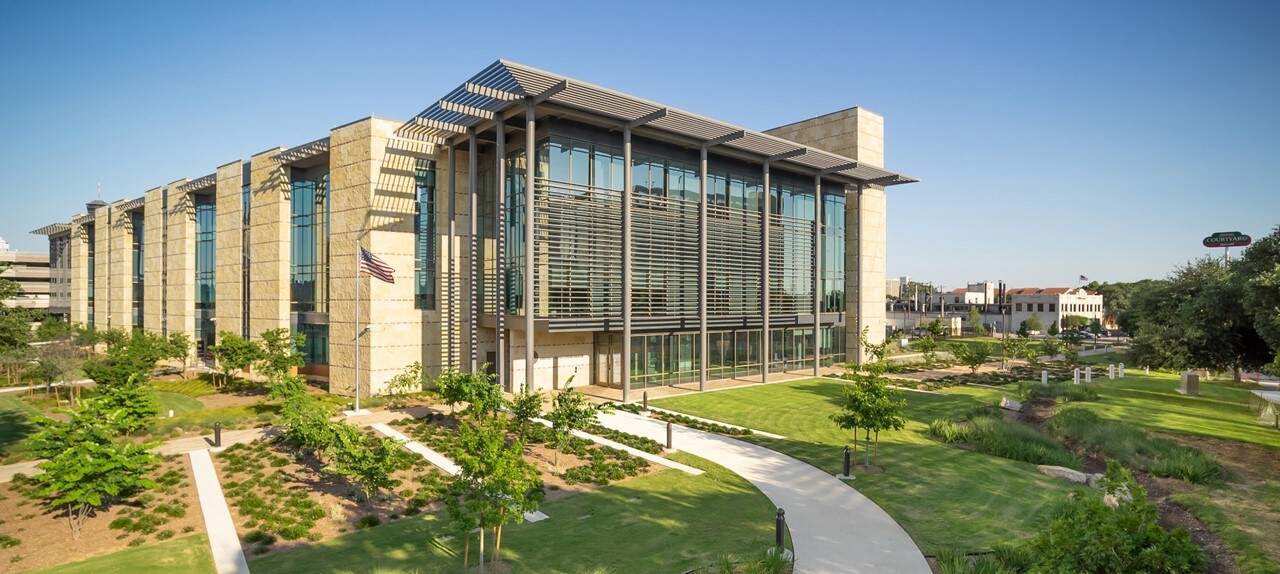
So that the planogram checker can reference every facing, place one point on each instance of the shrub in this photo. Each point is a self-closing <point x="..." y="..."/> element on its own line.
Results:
<point x="998" y="437"/>
<point x="637" y="442"/>
<point x="1086" y="535"/>
<point x="1133" y="447"/>
<point x="368" y="521"/>
<point x="7" y="541"/>
<point x="164" y="534"/>
<point x="700" y="425"/>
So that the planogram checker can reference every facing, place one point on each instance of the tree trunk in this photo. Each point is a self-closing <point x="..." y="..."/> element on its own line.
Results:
<point x="466" y="550"/>
<point x="1235" y="372"/>
<point x="481" y="562"/>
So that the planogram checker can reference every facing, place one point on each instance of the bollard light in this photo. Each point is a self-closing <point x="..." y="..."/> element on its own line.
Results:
<point x="646" y="401"/>
<point x="779" y="529"/>
<point x="669" y="447"/>
<point x="217" y="435"/>
<point x="847" y="465"/>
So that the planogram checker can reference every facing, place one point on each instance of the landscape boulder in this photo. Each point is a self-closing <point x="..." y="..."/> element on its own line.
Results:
<point x="1010" y="404"/>
<point x="1064" y="473"/>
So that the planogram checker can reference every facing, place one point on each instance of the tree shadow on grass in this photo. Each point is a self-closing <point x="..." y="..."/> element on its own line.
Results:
<point x="15" y="427"/>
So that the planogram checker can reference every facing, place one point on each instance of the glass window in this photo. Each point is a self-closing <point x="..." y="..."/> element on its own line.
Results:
<point x="309" y="259"/>
<point x="425" y="258"/>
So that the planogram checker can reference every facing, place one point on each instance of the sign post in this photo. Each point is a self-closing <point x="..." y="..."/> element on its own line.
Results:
<point x="1226" y="240"/>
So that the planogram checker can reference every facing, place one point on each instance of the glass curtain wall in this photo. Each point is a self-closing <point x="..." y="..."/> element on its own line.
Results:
<point x="204" y="279"/>
<point x="665" y="238"/>
<point x="666" y="359"/>
<point x="138" y="266"/>
<point x="733" y="241"/>
<point x="425" y="258"/>
<point x="90" y="258"/>
<point x="309" y="262"/>
<point x="833" y="238"/>
<point x="791" y="245"/>
<point x="246" y="202"/>
<point x="513" y="259"/>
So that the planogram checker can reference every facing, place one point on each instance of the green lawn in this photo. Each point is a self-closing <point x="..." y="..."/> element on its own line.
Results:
<point x="666" y="522"/>
<point x="197" y="387"/>
<point x="15" y="425"/>
<point x="189" y="555"/>
<point x="179" y="403"/>
<point x="1152" y="401"/>
<point x="946" y="497"/>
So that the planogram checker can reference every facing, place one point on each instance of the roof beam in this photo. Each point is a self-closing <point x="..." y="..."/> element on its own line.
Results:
<point x="472" y="111"/>
<point x="553" y="90"/>
<point x="649" y="117"/>
<point x="838" y="168"/>
<point x="787" y="154"/>
<point x="726" y="138"/>
<point x="882" y="180"/>
<point x="493" y="93"/>
<point x="440" y="126"/>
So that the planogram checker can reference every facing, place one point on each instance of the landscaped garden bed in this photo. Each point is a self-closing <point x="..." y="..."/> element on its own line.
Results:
<point x="32" y="537"/>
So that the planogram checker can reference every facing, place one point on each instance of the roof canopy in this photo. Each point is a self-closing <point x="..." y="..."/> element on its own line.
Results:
<point x="489" y="94"/>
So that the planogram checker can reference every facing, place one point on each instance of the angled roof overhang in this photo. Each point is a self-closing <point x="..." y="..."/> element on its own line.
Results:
<point x="490" y="95"/>
<point x="52" y="229"/>
<point x="303" y="152"/>
<point x="199" y="184"/>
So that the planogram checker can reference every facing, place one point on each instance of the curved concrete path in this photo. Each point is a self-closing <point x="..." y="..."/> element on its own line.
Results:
<point x="834" y="528"/>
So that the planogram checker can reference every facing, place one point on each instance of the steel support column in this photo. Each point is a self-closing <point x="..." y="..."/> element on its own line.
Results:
<point x="626" y="262"/>
<point x="766" y="214"/>
<point x="530" y="304"/>
<point x="472" y="186"/>
<point x="858" y="286"/>
<point x="451" y="322"/>
<point x="500" y="226"/>
<point x="702" y="270"/>
<point x="817" y="274"/>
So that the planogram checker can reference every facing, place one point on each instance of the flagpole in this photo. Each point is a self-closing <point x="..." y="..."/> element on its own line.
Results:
<point x="356" y="275"/>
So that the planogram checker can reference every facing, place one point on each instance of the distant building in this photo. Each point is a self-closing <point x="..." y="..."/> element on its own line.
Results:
<point x="893" y="288"/>
<point x="981" y="293"/>
<point x="1052" y="304"/>
<point x="31" y="272"/>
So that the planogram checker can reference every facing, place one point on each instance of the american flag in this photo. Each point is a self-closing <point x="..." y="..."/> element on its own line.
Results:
<point x="371" y="264"/>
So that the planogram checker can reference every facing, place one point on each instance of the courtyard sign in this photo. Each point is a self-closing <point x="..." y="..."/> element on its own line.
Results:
<point x="1228" y="239"/>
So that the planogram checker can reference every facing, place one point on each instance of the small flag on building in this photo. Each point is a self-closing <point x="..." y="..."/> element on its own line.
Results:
<point x="371" y="264"/>
<point x="1083" y="278"/>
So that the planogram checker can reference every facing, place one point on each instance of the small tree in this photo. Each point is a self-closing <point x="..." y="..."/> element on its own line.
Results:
<point x="15" y="360"/>
<point x="869" y="405"/>
<point x="1023" y="329"/>
<point x="524" y="408"/>
<point x="874" y="351"/>
<point x="128" y="356"/>
<point x="1034" y="323"/>
<point x="1015" y="347"/>
<point x="570" y="411"/>
<point x="1075" y="322"/>
<point x="927" y="345"/>
<point x="178" y="349"/>
<point x="495" y="475"/>
<point x="55" y="363"/>
<point x="85" y="468"/>
<point x="234" y="353"/>
<point x="53" y="329"/>
<point x="280" y="353"/>
<point x="1051" y="347"/>
<point x="452" y="388"/>
<point x="935" y="328"/>
<point x="1053" y="329"/>
<point x="1072" y="355"/>
<point x="1095" y="327"/>
<point x="85" y="337"/>
<point x="127" y="407"/>
<point x="365" y="460"/>
<point x="975" y="321"/>
<point x="972" y="356"/>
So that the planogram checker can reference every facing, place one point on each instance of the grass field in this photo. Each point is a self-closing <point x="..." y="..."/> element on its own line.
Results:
<point x="667" y="522"/>
<point x="197" y="387"/>
<point x="189" y="555"/>
<point x="946" y="497"/>
<point x="15" y="425"/>
<point x="1152" y="401"/>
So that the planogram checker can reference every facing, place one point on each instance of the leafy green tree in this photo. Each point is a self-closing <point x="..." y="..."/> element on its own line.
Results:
<point x="1095" y="327"/>
<point x="367" y="461"/>
<point x="406" y="382"/>
<point x="86" y="468"/>
<point x="178" y="348"/>
<point x="525" y="407"/>
<point x="875" y="352"/>
<point x="972" y="355"/>
<point x="570" y="411"/>
<point x="128" y="356"/>
<point x="234" y="354"/>
<point x="927" y="345"/>
<point x="14" y="361"/>
<point x="303" y="418"/>
<point x="935" y="328"/>
<point x="55" y="363"/>
<point x="53" y="329"/>
<point x="127" y="407"/>
<point x="1258" y="275"/>
<point x="1023" y="329"/>
<point x="482" y="395"/>
<point x="1051" y="347"/>
<point x="1054" y="331"/>
<point x="85" y="337"/>
<point x="465" y="516"/>
<point x="975" y="321"/>
<point x="1015" y="347"/>
<point x="280" y="353"/>
<point x="867" y="404"/>
<point x="1034" y="323"/>
<point x="1074" y="322"/>
<point x="495" y="475"/>
<point x="1087" y="535"/>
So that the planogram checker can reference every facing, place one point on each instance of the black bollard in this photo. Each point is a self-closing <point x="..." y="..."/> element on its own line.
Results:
<point x="217" y="435"/>
<point x="779" y="529"/>
<point x="669" y="447"/>
<point x="646" y="401"/>
<point x="847" y="466"/>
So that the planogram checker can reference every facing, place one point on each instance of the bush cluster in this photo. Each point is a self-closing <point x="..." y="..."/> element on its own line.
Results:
<point x="699" y="424"/>
<point x="637" y="442"/>
<point x="996" y="436"/>
<point x="1133" y="447"/>
<point x="263" y="498"/>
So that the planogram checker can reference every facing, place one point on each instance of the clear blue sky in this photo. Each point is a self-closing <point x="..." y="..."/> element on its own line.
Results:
<point x="1053" y="139"/>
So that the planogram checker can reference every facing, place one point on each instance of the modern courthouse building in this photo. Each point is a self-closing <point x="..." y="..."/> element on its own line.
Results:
<point x="649" y="245"/>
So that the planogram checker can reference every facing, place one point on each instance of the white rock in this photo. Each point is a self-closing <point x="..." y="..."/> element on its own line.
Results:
<point x="1064" y="473"/>
<point x="1010" y="404"/>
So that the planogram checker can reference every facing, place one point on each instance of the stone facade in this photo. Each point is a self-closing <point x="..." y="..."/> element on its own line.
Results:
<point x="268" y="244"/>
<point x="102" y="268"/>
<point x="180" y="262"/>
<point x="153" y="274"/>
<point x="229" y="247"/>
<point x="121" y="268"/>
<point x="79" y="252"/>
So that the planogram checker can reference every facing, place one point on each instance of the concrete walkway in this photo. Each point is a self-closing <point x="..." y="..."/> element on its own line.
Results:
<point x="228" y="557"/>
<point x="834" y="528"/>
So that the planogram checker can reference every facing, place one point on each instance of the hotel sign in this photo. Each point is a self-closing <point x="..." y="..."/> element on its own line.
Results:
<point x="1228" y="239"/>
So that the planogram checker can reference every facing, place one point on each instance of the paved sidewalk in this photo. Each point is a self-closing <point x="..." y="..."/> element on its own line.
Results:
<point x="228" y="556"/>
<point x="834" y="528"/>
